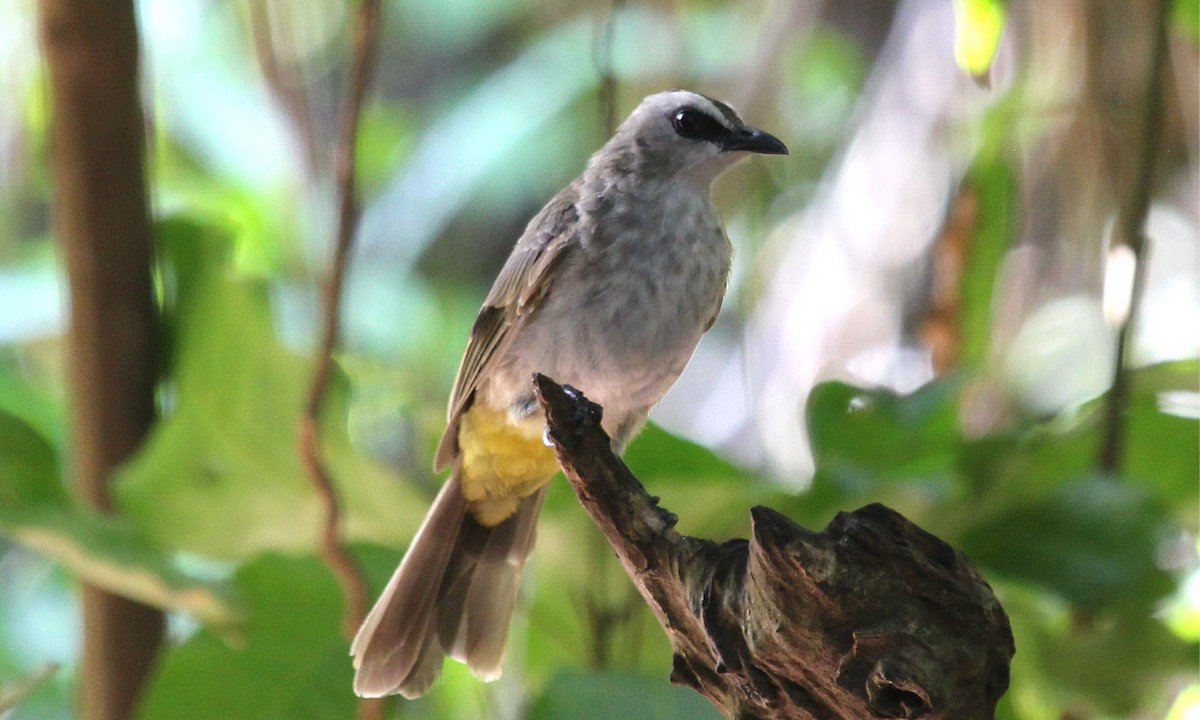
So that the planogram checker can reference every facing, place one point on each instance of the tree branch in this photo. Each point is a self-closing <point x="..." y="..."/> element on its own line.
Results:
<point x="354" y="588"/>
<point x="870" y="618"/>
<point x="1131" y="225"/>
<point x="284" y="82"/>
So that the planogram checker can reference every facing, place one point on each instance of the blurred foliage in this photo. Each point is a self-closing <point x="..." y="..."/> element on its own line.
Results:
<point x="220" y="476"/>
<point x="1186" y="18"/>
<point x="108" y="552"/>
<point x="288" y="663"/>
<point x="484" y="109"/>
<point x="12" y="695"/>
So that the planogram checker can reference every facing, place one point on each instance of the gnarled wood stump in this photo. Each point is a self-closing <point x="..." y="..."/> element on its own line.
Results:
<point x="870" y="618"/>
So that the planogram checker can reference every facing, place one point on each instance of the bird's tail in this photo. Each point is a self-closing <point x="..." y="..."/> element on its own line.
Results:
<point x="453" y="594"/>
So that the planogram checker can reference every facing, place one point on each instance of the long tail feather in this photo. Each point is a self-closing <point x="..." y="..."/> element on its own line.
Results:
<point x="454" y="593"/>
<point x="476" y="605"/>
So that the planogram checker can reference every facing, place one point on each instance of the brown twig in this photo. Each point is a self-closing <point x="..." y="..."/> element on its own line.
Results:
<point x="284" y="83"/>
<point x="1131" y="228"/>
<point x="354" y="588"/>
<point x="941" y="325"/>
<point x="602" y="60"/>
<point x="870" y="618"/>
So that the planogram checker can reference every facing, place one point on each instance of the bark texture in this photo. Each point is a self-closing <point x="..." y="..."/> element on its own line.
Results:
<point x="103" y="224"/>
<point x="870" y="618"/>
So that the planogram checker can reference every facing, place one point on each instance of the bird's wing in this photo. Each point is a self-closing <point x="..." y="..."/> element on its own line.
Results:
<point x="516" y="293"/>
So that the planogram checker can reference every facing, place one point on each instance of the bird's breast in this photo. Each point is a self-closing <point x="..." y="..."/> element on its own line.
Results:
<point x="626" y="313"/>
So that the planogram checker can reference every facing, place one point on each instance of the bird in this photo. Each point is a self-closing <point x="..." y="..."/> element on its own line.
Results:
<point x="609" y="289"/>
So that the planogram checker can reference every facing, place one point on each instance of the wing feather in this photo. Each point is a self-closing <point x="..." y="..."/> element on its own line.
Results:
<point x="515" y="294"/>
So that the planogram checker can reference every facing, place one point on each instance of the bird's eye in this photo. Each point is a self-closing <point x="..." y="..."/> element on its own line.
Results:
<point x="695" y="125"/>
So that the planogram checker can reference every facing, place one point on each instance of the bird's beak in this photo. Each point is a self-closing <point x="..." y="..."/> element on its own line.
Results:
<point x="748" y="139"/>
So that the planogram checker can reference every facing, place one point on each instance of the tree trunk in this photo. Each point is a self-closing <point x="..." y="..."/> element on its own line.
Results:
<point x="102" y="221"/>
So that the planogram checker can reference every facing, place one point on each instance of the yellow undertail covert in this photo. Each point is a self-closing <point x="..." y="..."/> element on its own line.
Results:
<point x="502" y="461"/>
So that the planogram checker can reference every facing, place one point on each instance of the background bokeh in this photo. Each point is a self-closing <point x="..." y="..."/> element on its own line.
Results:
<point x="923" y="312"/>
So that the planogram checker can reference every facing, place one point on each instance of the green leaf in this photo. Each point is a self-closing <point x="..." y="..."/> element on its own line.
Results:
<point x="1187" y="18"/>
<point x="220" y="475"/>
<point x="14" y="692"/>
<point x="994" y="188"/>
<point x="1025" y="463"/>
<point x="711" y="495"/>
<point x="602" y="696"/>
<point x="105" y="551"/>
<point x="29" y="474"/>
<point x="866" y="435"/>
<point x="33" y="405"/>
<point x="1090" y="542"/>
<point x="978" y="24"/>
<point x="291" y="663"/>
<point x="111" y="554"/>
<point x="1161" y="452"/>
<point x="1094" y="664"/>
<point x="656" y="453"/>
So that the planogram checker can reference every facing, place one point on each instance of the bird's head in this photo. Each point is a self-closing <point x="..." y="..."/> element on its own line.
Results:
<point x="682" y="134"/>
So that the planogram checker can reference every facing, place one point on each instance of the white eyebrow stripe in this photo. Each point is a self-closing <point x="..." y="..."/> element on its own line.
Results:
<point x="727" y="115"/>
